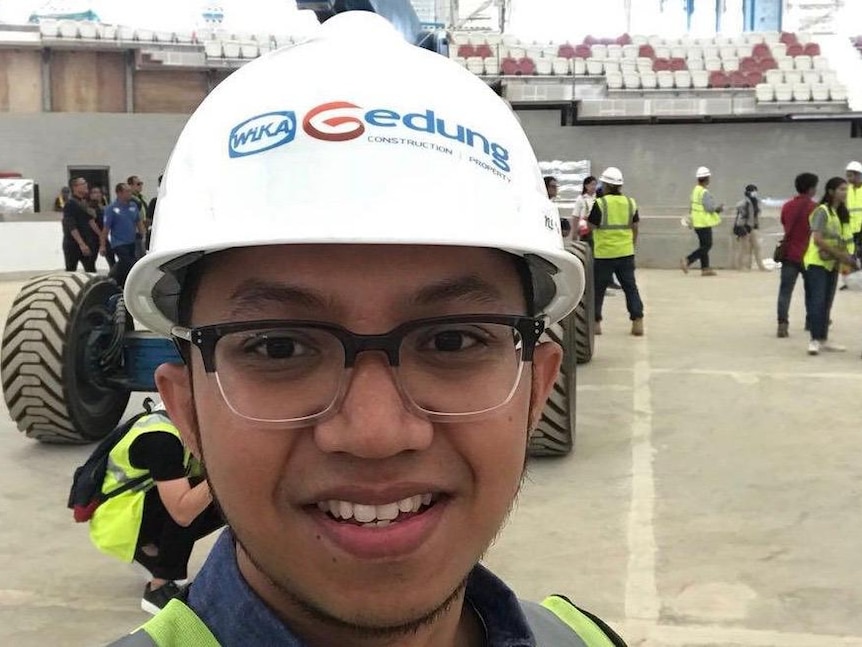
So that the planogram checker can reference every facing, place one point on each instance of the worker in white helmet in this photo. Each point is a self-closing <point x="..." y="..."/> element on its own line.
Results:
<point x="704" y="214"/>
<point x="360" y="325"/>
<point x="614" y="223"/>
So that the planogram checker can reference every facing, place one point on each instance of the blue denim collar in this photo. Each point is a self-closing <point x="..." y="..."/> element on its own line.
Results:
<point x="238" y="617"/>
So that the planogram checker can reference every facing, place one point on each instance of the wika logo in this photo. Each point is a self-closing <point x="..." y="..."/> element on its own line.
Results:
<point x="262" y="133"/>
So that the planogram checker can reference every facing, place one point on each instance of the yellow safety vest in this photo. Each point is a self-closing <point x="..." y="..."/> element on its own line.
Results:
<point x="116" y="523"/>
<point x="854" y="206"/>
<point x="700" y="217"/>
<point x="614" y="238"/>
<point x="835" y="234"/>
<point x="565" y="626"/>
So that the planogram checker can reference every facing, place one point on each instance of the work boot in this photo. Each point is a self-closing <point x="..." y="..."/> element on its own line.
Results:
<point x="783" y="331"/>
<point x="683" y="265"/>
<point x="597" y="330"/>
<point x="638" y="327"/>
<point x="708" y="272"/>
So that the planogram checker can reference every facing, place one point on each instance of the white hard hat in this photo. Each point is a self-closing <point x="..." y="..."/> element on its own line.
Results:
<point x="612" y="175"/>
<point x="352" y="137"/>
<point x="702" y="172"/>
<point x="854" y="166"/>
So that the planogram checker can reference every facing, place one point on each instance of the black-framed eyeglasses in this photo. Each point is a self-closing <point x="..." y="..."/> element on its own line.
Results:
<point x="295" y="372"/>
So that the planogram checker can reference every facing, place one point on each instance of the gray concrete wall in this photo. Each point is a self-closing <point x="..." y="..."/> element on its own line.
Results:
<point x="42" y="146"/>
<point x="659" y="161"/>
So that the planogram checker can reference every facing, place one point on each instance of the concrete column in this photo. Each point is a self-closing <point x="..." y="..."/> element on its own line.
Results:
<point x="130" y="80"/>
<point x="46" y="80"/>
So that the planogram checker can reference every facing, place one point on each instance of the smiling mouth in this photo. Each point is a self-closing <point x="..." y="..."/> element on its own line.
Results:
<point x="378" y="516"/>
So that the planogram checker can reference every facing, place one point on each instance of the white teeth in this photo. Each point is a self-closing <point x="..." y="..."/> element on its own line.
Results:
<point x="374" y="515"/>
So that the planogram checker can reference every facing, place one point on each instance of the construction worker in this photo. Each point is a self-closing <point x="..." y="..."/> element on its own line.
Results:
<point x="614" y="223"/>
<point x="362" y="389"/>
<point x="703" y="216"/>
<point x="854" y="202"/>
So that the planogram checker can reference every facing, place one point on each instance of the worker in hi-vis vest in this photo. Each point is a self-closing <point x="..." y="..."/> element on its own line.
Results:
<point x="614" y="222"/>
<point x="703" y="216"/>
<point x="854" y="202"/>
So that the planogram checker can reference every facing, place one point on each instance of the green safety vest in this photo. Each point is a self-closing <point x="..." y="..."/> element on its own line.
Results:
<point x="854" y="206"/>
<point x="116" y="523"/>
<point x="836" y="234"/>
<point x="555" y="623"/>
<point x="614" y="238"/>
<point x="700" y="217"/>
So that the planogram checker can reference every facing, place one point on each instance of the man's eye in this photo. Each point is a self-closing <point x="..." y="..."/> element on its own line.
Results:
<point x="276" y="347"/>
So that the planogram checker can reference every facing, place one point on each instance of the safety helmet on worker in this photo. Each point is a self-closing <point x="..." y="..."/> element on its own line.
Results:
<point x="703" y="172"/>
<point x="854" y="167"/>
<point x="313" y="144"/>
<point x="612" y="175"/>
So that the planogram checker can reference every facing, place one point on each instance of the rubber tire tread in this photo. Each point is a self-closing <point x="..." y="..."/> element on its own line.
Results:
<point x="585" y="313"/>
<point x="33" y="358"/>
<point x="555" y="433"/>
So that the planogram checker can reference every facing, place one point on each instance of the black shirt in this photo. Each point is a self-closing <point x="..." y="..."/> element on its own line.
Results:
<point x="76" y="216"/>
<point x="595" y="218"/>
<point x="159" y="452"/>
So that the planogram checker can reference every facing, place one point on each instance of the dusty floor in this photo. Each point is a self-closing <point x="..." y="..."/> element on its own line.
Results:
<point x="714" y="497"/>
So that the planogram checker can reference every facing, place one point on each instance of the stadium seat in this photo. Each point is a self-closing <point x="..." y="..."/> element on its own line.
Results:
<point x="561" y="66"/>
<point x="803" y="63"/>
<point x="640" y="40"/>
<point x="67" y="29"/>
<point x="722" y="40"/>
<point x="109" y="32"/>
<point x="761" y="50"/>
<point x="788" y="38"/>
<point x="804" y="37"/>
<point x="646" y="51"/>
<point x="764" y="92"/>
<point x="583" y="51"/>
<point x="476" y="65"/>
<point x="665" y="80"/>
<point x="694" y="53"/>
<point x="492" y="66"/>
<point x="213" y="49"/>
<point x="753" y="79"/>
<point x="712" y="64"/>
<point x="534" y="52"/>
<point x="661" y="65"/>
<point x="785" y="64"/>
<point x="249" y="50"/>
<point x="793" y="77"/>
<point x="612" y="66"/>
<point x="838" y="92"/>
<point x="727" y="51"/>
<point x="589" y="40"/>
<point x="527" y="66"/>
<point x="749" y="64"/>
<point x="778" y="50"/>
<point x="644" y="64"/>
<point x="682" y="79"/>
<point x="631" y="81"/>
<point x="730" y="64"/>
<point x="677" y="64"/>
<point x="88" y="29"/>
<point x="829" y="77"/>
<point x="711" y="51"/>
<point x="738" y="80"/>
<point x="819" y="92"/>
<point x="662" y="51"/>
<point x="700" y="79"/>
<point x="579" y="66"/>
<point x="774" y="77"/>
<point x="718" y="79"/>
<point x="811" y="77"/>
<point x="812" y="49"/>
<point x="743" y="51"/>
<point x="795" y="50"/>
<point x="566" y="51"/>
<point x="625" y="39"/>
<point x="784" y="92"/>
<point x="754" y="38"/>
<point x="484" y="50"/>
<point x="509" y="66"/>
<point x="466" y="51"/>
<point x="696" y="64"/>
<point x="821" y="63"/>
<point x="768" y="64"/>
<point x="628" y="66"/>
<point x="678" y="51"/>
<point x="614" y="80"/>
<point x="517" y="52"/>
<point x="648" y="80"/>
<point x="630" y="52"/>
<point x="232" y="49"/>
<point x="600" y="51"/>
<point x="801" y="92"/>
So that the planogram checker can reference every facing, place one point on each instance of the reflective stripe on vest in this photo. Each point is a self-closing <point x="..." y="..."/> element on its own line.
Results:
<point x="614" y="238"/>
<point x="834" y="234"/>
<point x="116" y="523"/>
<point x="700" y="217"/>
<point x="554" y="623"/>
<point x="854" y="206"/>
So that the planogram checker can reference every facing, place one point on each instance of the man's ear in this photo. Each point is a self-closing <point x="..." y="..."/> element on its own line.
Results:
<point x="174" y="382"/>
<point x="547" y="359"/>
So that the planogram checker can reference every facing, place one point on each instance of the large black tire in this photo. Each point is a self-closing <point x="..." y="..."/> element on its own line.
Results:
<point x="585" y="313"/>
<point x="47" y="384"/>
<point x="555" y="433"/>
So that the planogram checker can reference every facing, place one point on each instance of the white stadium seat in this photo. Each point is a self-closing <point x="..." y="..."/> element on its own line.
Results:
<point x="730" y="64"/>
<point x="821" y="63"/>
<point x="49" y="28"/>
<point x="764" y="92"/>
<point x="517" y="52"/>
<point x="88" y="29"/>
<point x="678" y="51"/>
<point x="801" y="92"/>
<point x="612" y="66"/>
<point x="561" y="66"/>
<point x="820" y="92"/>
<point x="648" y="80"/>
<point x="600" y="51"/>
<point x="579" y="66"/>
<point x="544" y="66"/>
<point x="784" y="92"/>
<point x="249" y="50"/>
<point x="213" y="49"/>
<point x="627" y="66"/>
<point x="774" y="77"/>
<point x="460" y="61"/>
<point x="632" y="81"/>
<point x="67" y="28"/>
<point x="639" y="40"/>
<point x="550" y="51"/>
<point x="700" y="79"/>
<point x="829" y="77"/>
<point x="711" y="51"/>
<point x="694" y="52"/>
<point x="144" y="35"/>
<point x="615" y="52"/>
<point x="696" y="64"/>
<point x="231" y="49"/>
<point x="785" y="64"/>
<point x="744" y="51"/>
<point x="644" y="64"/>
<point x="803" y="63"/>
<point x="492" y="65"/>
<point x="838" y="92"/>
<point x="712" y="64"/>
<point x="665" y="80"/>
<point x="812" y="77"/>
<point x="630" y="52"/>
<point x="778" y="50"/>
<point x="682" y="79"/>
<point x="727" y="51"/>
<point x="615" y="80"/>
<point x="662" y="51"/>
<point x="189" y="37"/>
<point x="595" y="67"/>
<point x="793" y="77"/>
<point x="475" y="64"/>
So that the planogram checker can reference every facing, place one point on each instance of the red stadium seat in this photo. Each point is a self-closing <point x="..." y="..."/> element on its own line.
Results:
<point x="526" y="66"/>
<point x="510" y="67"/>
<point x="583" y="51"/>
<point x="749" y="64"/>
<point x="625" y="39"/>
<point x="678" y="65"/>
<point x="761" y="50"/>
<point x="466" y="51"/>
<point x="813" y="49"/>
<point x="788" y="38"/>
<point x="646" y="51"/>
<point x="661" y="65"/>
<point x="738" y="80"/>
<point x="718" y="80"/>
<point x="484" y="51"/>
<point x="753" y="79"/>
<point x="589" y="40"/>
<point x="795" y="49"/>
<point x="768" y="64"/>
<point x="566" y="51"/>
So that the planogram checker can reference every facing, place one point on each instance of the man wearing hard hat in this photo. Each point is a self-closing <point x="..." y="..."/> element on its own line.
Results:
<point x="854" y="202"/>
<point x="703" y="216"/>
<point x="359" y="385"/>
<point x="614" y="222"/>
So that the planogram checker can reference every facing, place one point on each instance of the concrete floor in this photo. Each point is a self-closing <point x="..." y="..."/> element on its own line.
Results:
<point x="714" y="498"/>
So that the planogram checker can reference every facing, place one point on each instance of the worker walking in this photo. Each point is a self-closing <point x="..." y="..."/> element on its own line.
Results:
<point x="703" y="216"/>
<point x="854" y="201"/>
<point x="614" y="223"/>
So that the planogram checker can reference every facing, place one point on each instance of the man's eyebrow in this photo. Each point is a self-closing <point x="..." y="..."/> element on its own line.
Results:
<point x="253" y="294"/>
<point x="468" y="287"/>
